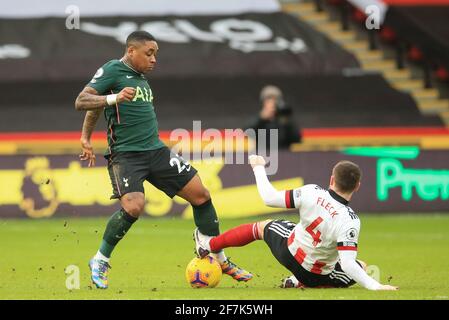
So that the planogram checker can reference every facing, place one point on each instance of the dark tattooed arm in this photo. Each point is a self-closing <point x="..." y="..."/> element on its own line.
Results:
<point x="89" y="99"/>
<point x="90" y="120"/>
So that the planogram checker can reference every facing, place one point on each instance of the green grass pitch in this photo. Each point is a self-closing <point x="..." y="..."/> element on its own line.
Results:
<point x="410" y="250"/>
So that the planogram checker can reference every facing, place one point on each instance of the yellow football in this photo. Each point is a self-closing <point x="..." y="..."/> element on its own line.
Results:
<point x="203" y="273"/>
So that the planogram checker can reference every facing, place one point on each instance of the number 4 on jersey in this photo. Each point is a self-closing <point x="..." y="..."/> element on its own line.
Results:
<point x="315" y="235"/>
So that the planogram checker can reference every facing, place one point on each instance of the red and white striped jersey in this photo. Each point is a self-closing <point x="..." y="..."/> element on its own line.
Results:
<point x="326" y="225"/>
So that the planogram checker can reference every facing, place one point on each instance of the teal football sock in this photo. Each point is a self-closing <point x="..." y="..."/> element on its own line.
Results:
<point x="118" y="225"/>
<point x="206" y="218"/>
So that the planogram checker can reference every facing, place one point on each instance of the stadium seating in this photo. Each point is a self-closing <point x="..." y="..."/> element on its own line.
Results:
<point x="415" y="32"/>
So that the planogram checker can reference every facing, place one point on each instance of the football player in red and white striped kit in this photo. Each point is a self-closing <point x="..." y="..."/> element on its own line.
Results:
<point x="320" y="251"/>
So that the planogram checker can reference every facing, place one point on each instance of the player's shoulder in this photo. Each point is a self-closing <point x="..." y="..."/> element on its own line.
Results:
<point x="307" y="191"/>
<point x="109" y="67"/>
<point x="113" y="64"/>
<point x="106" y="71"/>
<point x="351" y="213"/>
<point x="348" y="216"/>
<point x="312" y="187"/>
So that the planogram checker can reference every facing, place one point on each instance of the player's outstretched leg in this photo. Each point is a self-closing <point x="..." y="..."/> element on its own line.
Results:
<point x="236" y="237"/>
<point x="206" y="220"/>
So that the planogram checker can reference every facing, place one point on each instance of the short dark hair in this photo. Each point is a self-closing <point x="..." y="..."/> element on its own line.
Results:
<point x="347" y="176"/>
<point x="139" y="36"/>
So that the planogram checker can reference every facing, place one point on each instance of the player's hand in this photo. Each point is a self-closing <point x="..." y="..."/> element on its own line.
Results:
<point x="388" y="287"/>
<point x="255" y="160"/>
<point x="88" y="153"/>
<point x="127" y="94"/>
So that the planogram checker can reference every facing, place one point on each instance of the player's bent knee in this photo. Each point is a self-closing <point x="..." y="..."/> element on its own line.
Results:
<point x="133" y="204"/>
<point x="200" y="197"/>
<point x="205" y="195"/>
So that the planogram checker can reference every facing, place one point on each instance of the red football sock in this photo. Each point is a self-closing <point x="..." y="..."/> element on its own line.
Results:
<point x="235" y="237"/>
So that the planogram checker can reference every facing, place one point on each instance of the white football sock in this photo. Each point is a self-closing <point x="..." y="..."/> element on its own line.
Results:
<point x="220" y="256"/>
<point x="100" y="256"/>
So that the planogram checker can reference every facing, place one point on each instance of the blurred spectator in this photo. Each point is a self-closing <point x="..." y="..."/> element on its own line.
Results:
<point x="276" y="114"/>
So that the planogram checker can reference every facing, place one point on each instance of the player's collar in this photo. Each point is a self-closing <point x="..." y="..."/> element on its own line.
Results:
<point x="337" y="197"/>
<point x="129" y="66"/>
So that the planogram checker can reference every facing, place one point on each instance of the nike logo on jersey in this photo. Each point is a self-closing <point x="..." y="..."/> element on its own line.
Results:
<point x="129" y="77"/>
